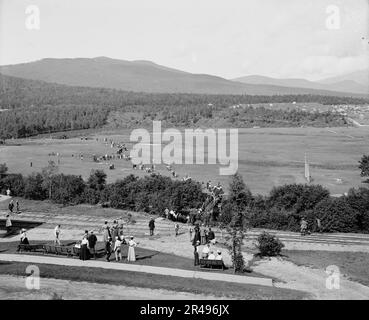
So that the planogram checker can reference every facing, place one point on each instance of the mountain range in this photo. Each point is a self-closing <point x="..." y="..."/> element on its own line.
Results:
<point x="354" y="82"/>
<point x="146" y="76"/>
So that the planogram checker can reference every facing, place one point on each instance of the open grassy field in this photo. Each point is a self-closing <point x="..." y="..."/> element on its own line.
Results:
<point x="267" y="157"/>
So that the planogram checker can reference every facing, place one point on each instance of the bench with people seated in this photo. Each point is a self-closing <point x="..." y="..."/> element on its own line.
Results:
<point x="69" y="251"/>
<point x="30" y="247"/>
<point x="210" y="263"/>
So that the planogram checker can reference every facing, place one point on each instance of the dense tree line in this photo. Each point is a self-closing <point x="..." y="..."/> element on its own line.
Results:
<point x="25" y="122"/>
<point x="149" y="194"/>
<point x="35" y="107"/>
<point x="281" y="209"/>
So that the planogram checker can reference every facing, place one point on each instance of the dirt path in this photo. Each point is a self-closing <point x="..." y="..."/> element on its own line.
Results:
<point x="13" y="287"/>
<point x="309" y="280"/>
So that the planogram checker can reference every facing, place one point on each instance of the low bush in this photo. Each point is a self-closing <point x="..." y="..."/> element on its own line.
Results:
<point x="269" y="245"/>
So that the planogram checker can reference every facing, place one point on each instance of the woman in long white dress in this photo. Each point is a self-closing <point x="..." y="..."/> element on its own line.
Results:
<point x="131" y="250"/>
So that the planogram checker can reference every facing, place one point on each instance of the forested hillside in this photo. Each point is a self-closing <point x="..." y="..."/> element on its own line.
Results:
<point x="38" y="107"/>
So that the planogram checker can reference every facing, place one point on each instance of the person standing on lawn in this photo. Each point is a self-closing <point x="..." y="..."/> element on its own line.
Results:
<point x="196" y="253"/>
<point x="203" y="236"/>
<point x="84" y="254"/>
<point x="197" y="237"/>
<point x="8" y="224"/>
<point x="152" y="226"/>
<point x="191" y="232"/>
<point x="211" y="236"/>
<point x="176" y="229"/>
<point x="92" y="243"/>
<point x="57" y="235"/>
<point x="131" y="250"/>
<point x="108" y="245"/>
<point x="11" y="206"/>
<point x="106" y="232"/>
<point x="120" y="226"/>
<point x="117" y="249"/>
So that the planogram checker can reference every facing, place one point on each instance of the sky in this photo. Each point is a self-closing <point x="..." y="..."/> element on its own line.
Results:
<point x="311" y="39"/>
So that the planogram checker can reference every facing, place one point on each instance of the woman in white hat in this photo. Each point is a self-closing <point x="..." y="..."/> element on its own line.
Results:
<point x="131" y="250"/>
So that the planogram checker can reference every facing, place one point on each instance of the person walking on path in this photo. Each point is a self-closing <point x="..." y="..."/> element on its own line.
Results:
<point x="92" y="239"/>
<point x="319" y="225"/>
<point x="131" y="250"/>
<point x="8" y="192"/>
<point x="8" y="224"/>
<point x="17" y="206"/>
<point x="57" y="235"/>
<point x="152" y="226"/>
<point x="176" y="229"/>
<point x="303" y="227"/>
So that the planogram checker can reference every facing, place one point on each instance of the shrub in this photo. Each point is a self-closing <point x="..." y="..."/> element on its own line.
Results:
<point x="91" y="196"/>
<point x="33" y="188"/>
<point x="358" y="199"/>
<point x="336" y="215"/>
<point x="297" y="197"/>
<point x="68" y="189"/>
<point x="269" y="245"/>
<point x="15" y="183"/>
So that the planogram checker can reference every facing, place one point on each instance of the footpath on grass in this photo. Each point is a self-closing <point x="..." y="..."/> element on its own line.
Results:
<point x="137" y="268"/>
<point x="73" y="227"/>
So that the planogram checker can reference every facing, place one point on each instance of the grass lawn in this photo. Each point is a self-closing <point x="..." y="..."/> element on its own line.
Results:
<point x="143" y="280"/>
<point x="354" y="265"/>
<point x="82" y="209"/>
<point x="267" y="157"/>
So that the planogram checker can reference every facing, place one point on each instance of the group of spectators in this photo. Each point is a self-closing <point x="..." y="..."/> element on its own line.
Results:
<point x="113" y="238"/>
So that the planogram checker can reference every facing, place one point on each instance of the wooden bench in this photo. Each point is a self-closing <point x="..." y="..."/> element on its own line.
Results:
<point x="30" y="247"/>
<point x="64" y="251"/>
<point x="206" y="263"/>
<point x="50" y="249"/>
<point x="75" y="251"/>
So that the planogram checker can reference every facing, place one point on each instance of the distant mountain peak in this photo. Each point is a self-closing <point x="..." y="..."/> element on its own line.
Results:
<point x="147" y="76"/>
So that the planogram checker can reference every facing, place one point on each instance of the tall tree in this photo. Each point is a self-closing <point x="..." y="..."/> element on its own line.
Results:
<point x="48" y="174"/>
<point x="239" y="198"/>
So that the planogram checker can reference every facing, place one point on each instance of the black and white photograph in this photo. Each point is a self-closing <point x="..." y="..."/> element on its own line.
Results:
<point x="210" y="152"/>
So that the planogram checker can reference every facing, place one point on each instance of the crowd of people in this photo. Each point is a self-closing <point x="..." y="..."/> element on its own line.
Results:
<point x="199" y="236"/>
<point x="113" y="238"/>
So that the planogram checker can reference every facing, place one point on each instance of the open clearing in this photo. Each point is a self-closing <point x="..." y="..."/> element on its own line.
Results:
<point x="267" y="157"/>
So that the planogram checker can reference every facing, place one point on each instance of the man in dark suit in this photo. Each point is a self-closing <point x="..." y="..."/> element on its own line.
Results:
<point x="92" y="243"/>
